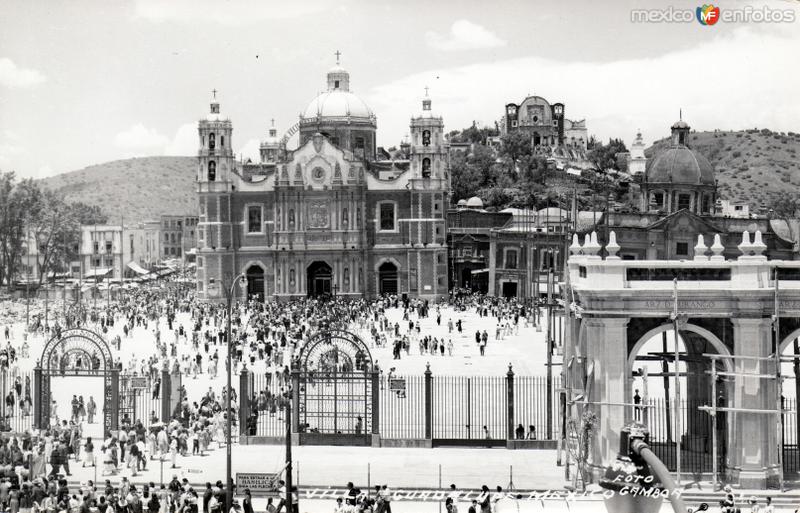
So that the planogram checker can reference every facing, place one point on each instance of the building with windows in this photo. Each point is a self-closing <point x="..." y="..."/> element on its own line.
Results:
<point x="511" y="253"/>
<point x="328" y="217"/>
<point x="110" y="252"/>
<point x="178" y="236"/>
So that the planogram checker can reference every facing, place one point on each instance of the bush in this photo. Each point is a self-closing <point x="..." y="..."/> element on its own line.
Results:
<point x="737" y="154"/>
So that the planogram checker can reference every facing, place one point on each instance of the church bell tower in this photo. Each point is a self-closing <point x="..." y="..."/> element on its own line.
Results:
<point x="430" y="190"/>
<point x="215" y="163"/>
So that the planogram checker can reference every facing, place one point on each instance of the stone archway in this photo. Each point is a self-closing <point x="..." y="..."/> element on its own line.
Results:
<point x="693" y="328"/>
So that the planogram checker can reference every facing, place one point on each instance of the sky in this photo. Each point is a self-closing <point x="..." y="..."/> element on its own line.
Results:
<point x="85" y="82"/>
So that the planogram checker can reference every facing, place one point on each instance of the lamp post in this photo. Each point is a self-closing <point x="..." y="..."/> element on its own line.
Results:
<point x="228" y="414"/>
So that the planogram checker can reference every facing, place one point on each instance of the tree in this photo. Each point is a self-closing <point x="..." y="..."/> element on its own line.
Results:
<point x="604" y="156"/>
<point x="17" y="201"/>
<point x="472" y="172"/>
<point x="515" y="146"/>
<point x="785" y="205"/>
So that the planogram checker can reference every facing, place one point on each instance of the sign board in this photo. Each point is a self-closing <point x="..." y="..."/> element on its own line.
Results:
<point x="397" y="385"/>
<point x="138" y="382"/>
<point x="257" y="481"/>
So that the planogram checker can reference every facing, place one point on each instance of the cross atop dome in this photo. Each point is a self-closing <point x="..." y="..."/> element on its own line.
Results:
<point x="337" y="54"/>
<point x="338" y="77"/>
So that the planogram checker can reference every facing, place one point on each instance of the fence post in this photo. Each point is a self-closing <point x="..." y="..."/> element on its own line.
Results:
<point x="510" y="396"/>
<point x="428" y="402"/>
<point x="244" y="399"/>
<point x="166" y="391"/>
<point x="376" y="414"/>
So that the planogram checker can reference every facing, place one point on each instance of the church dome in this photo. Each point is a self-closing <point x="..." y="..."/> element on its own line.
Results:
<point x="474" y="202"/>
<point x="337" y="103"/>
<point x="680" y="165"/>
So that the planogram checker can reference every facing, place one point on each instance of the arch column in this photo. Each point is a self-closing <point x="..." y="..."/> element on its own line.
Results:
<point x="753" y="454"/>
<point x="605" y="342"/>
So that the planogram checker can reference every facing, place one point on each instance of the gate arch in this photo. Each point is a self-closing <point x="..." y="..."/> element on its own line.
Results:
<point x="77" y="352"/>
<point x="712" y="339"/>
<point x="335" y="390"/>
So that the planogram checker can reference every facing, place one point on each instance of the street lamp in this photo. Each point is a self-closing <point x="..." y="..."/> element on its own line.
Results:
<point x="228" y="414"/>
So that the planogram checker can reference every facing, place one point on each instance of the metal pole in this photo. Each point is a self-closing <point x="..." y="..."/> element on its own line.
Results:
<point x="714" y="462"/>
<point x="549" y="399"/>
<point x="289" y="497"/>
<point x="228" y="423"/>
<point x="677" y="387"/>
<point x="778" y="381"/>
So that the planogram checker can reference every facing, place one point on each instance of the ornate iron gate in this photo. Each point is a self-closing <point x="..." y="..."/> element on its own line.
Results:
<point x="335" y="391"/>
<point x="76" y="352"/>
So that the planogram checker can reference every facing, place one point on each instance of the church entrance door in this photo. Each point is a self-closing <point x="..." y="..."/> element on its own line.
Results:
<point x="255" y="283"/>
<point x="320" y="276"/>
<point x="387" y="278"/>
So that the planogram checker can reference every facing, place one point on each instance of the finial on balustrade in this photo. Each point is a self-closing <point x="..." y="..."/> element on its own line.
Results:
<point x="746" y="247"/>
<point x="758" y="245"/>
<point x="612" y="247"/>
<point x="575" y="248"/>
<point x="587" y="243"/>
<point x="717" y="248"/>
<point x="592" y="247"/>
<point x="700" y="249"/>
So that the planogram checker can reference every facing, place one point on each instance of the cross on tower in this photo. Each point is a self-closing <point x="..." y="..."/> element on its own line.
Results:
<point x="337" y="54"/>
<point x="426" y="91"/>
<point x="680" y="114"/>
<point x="214" y="92"/>
<point x="273" y="122"/>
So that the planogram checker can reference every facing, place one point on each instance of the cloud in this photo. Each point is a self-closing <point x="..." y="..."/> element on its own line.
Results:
<point x="12" y="76"/>
<point x="618" y="97"/>
<point x="185" y="142"/>
<point x="250" y="150"/>
<point x="464" y="35"/>
<point x="231" y="12"/>
<point x="138" y="138"/>
<point x="11" y="147"/>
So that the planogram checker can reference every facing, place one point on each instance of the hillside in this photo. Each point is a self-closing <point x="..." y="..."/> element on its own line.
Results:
<point x="140" y="189"/>
<point x="752" y="166"/>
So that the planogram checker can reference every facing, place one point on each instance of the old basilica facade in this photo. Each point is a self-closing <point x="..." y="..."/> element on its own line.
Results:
<point x="328" y="217"/>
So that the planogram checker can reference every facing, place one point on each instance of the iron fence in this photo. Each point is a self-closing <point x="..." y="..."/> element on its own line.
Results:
<point x="450" y="410"/>
<point x="696" y="435"/>
<point x="16" y="410"/>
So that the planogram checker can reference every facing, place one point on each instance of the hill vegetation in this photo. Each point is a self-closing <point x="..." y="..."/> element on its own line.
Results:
<point x="758" y="167"/>
<point x="137" y="189"/>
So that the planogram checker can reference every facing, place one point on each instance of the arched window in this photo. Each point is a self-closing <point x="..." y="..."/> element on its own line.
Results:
<point x="212" y="142"/>
<point x="291" y="219"/>
<point x="221" y="141"/>
<point x="345" y="219"/>
<point x="347" y="277"/>
<point x="291" y="277"/>
<point x="426" y="137"/>
<point x="212" y="171"/>
<point x="426" y="168"/>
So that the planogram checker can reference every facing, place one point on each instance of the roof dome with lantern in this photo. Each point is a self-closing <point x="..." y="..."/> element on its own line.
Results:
<point x="679" y="164"/>
<point x="338" y="101"/>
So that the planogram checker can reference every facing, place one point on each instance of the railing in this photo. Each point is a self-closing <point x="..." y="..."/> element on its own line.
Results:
<point x="459" y="408"/>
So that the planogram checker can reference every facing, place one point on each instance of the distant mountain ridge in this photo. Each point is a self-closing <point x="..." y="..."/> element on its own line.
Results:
<point x="136" y="189"/>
